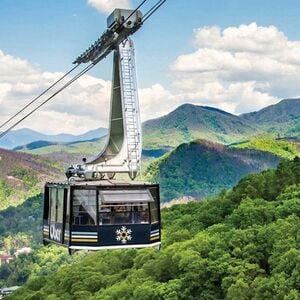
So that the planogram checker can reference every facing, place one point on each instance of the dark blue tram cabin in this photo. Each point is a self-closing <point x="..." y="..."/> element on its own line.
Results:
<point x="102" y="215"/>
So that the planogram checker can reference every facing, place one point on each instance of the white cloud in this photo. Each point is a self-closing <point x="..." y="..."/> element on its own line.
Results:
<point x="245" y="38"/>
<point x="107" y="6"/>
<point x="82" y="106"/>
<point x="156" y="101"/>
<point x="240" y="68"/>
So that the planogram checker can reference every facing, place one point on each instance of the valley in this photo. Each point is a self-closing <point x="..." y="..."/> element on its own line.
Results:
<point x="194" y="152"/>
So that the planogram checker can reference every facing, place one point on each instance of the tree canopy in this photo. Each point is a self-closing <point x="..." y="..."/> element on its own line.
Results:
<point x="241" y="244"/>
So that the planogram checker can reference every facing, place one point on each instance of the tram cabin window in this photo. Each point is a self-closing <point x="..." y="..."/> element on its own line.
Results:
<point x="46" y="204"/>
<point x="154" y="211"/>
<point x="120" y="213"/>
<point x="53" y="208"/>
<point x="118" y="207"/>
<point x="84" y="207"/>
<point x="56" y="204"/>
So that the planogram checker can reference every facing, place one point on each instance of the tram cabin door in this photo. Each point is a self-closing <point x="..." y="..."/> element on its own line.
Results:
<point x="56" y="215"/>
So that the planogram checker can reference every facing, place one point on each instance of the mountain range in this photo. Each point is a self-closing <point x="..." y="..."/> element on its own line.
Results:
<point x="186" y="123"/>
<point x="25" y="136"/>
<point x="189" y="122"/>
<point x="195" y="167"/>
<point x="198" y="169"/>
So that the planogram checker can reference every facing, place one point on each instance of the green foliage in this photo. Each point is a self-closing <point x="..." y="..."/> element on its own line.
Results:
<point x="280" y="148"/>
<point x="202" y="168"/>
<point x="5" y="192"/>
<point x="14" y="242"/>
<point x="25" y="175"/>
<point x="84" y="148"/>
<point x="22" y="176"/>
<point x="42" y="261"/>
<point x="242" y="244"/>
<point x="281" y="119"/>
<point x="189" y="122"/>
<point x="24" y="219"/>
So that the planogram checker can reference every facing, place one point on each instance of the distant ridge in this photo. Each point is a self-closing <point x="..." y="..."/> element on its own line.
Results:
<point x="186" y="123"/>
<point x="283" y="111"/>
<point x="26" y="136"/>
<point x="282" y="118"/>
<point x="43" y="144"/>
<point x="189" y="122"/>
<point x="34" y="145"/>
<point x="217" y="110"/>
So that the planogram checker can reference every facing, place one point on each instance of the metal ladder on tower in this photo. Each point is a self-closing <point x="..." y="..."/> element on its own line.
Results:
<point x="131" y="107"/>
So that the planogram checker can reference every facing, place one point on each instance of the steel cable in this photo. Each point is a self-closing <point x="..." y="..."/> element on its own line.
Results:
<point x="39" y="96"/>
<point x="90" y="66"/>
<point x="148" y="14"/>
<point x="152" y="10"/>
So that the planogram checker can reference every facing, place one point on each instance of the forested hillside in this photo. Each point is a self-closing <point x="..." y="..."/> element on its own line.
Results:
<point x="202" y="168"/>
<point x="282" y="118"/>
<point x="283" y="148"/>
<point x="22" y="175"/>
<point x="241" y="244"/>
<point x="189" y="122"/>
<point x="25" y="220"/>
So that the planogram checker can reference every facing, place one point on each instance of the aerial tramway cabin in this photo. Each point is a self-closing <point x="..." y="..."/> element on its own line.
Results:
<point x="91" y="212"/>
<point x="86" y="212"/>
<point x="101" y="215"/>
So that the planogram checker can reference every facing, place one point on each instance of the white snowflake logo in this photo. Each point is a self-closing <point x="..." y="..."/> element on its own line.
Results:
<point x="124" y="234"/>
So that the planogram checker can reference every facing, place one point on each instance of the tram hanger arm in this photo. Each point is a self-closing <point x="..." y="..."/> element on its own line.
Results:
<point x="119" y="29"/>
<point x="110" y="40"/>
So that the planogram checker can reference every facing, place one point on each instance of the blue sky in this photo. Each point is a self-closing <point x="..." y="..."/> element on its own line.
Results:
<point x="48" y="35"/>
<point x="51" y="33"/>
